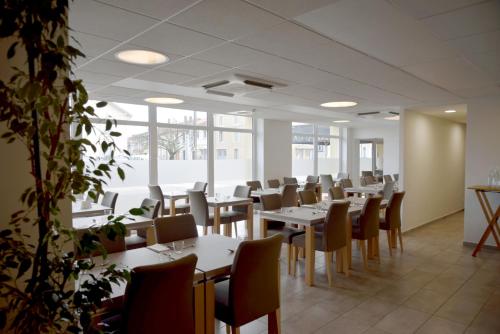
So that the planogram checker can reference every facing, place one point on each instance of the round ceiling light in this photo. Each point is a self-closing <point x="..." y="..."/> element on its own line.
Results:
<point x="450" y="111"/>
<point x="392" y="118"/>
<point x="141" y="57"/>
<point x="163" y="100"/>
<point x="339" y="104"/>
<point x="342" y="121"/>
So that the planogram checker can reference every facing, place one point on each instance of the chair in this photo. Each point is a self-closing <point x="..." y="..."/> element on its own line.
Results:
<point x="199" y="210"/>
<point x="273" y="202"/>
<point x="290" y="180"/>
<point x="362" y="181"/>
<point x="239" y="212"/>
<point x="391" y="222"/>
<point x="200" y="186"/>
<point x="366" y="173"/>
<point x="326" y="182"/>
<point x="109" y="200"/>
<point x="387" y="178"/>
<point x="336" y="193"/>
<point x="396" y="177"/>
<point x="366" y="227"/>
<point x="341" y="176"/>
<point x="289" y="195"/>
<point x="173" y="228"/>
<point x="100" y="243"/>
<point x="346" y="183"/>
<point x="312" y="179"/>
<point x="273" y="183"/>
<point x="310" y="186"/>
<point x="332" y="238"/>
<point x="370" y="179"/>
<point x="150" y="208"/>
<point x="307" y="197"/>
<point x="388" y="190"/>
<point x="254" y="185"/>
<point x="156" y="193"/>
<point x="145" y="307"/>
<point x="252" y="290"/>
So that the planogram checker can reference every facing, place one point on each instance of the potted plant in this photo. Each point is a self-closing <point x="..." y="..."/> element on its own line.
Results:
<point x="38" y="105"/>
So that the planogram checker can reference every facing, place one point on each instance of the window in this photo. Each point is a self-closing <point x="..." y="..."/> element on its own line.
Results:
<point x="302" y="150"/>
<point x="236" y="154"/>
<point x="221" y="136"/>
<point x="122" y="111"/>
<point x="232" y="121"/>
<point x="181" y="116"/>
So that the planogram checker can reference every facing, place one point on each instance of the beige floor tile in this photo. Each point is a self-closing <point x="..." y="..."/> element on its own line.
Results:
<point x="427" y="300"/>
<point x="344" y="326"/>
<point x="437" y="325"/>
<point x="370" y="311"/>
<point x="402" y="320"/>
<point x="460" y="309"/>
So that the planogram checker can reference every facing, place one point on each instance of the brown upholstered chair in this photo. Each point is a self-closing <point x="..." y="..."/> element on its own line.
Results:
<point x="366" y="173"/>
<point x="273" y="183"/>
<point x="289" y="195"/>
<point x="173" y="228"/>
<point x="332" y="238"/>
<point x="252" y="290"/>
<point x="312" y="179"/>
<point x="156" y="193"/>
<point x="362" y="181"/>
<point x="254" y="185"/>
<point x="109" y="199"/>
<point x="307" y="197"/>
<point x="159" y="298"/>
<point x="290" y="180"/>
<point x="273" y="202"/>
<point x="367" y="227"/>
<point x="150" y="208"/>
<point x="388" y="190"/>
<point x="336" y="193"/>
<point x="239" y="212"/>
<point x="370" y="179"/>
<point x="310" y="186"/>
<point x="346" y="183"/>
<point x="199" y="210"/>
<point x="387" y="178"/>
<point x="396" y="177"/>
<point x="101" y="244"/>
<point x="391" y="222"/>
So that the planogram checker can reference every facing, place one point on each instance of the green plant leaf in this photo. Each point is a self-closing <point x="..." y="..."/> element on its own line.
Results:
<point x="121" y="173"/>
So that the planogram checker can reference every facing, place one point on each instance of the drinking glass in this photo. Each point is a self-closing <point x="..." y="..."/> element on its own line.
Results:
<point x="178" y="246"/>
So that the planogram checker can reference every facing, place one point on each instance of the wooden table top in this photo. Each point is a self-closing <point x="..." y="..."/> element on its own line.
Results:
<point x="485" y="188"/>
<point x="130" y="222"/>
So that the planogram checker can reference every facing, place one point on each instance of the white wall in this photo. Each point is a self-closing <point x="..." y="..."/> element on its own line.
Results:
<point x="483" y="153"/>
<point x="433" y="168"/>
<point x="390" y="135"/>
<point x="274" y="149"/>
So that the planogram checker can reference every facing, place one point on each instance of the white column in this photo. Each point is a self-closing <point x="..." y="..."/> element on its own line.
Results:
<point x="153" y="145"/>
<point x="210" y="157"/>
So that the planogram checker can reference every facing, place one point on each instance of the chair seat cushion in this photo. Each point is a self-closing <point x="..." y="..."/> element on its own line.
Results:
<point x="135" y="241"/>
<point x="300" y="241"/>
<point x="384" y="225"/>
<point x="236" y="216"/>
<point x="222" y="310"/>
<point x="287" y="232"/>
<point x="225" y="218"/>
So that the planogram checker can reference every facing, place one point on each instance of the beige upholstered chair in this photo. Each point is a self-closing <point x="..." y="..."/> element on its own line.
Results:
<point x="310" y="186"/>
<point x="109" y="199"/>
<point x="367" y="227"/>
<point x="362" y="181"/>
<point x="199" y="210"/>
<point x="173" y="228"/>
<point x="332" y="238"/>
<point x="289" y="195"/>
<point x="388" y="190"/>
<point x="307" y="197"/>
<point x="387" y="179"/>
<point x="290" y="180"/>
<point x="326" y="182"/>
<point x="200" y="186"/>
<point x="346" y="183"/>
<point x="312" y="179"/>
<point x="273" y="183"/>
<point x="336" y="193"/>
<point x="100" y="245"/>
<point x="150" y="208"/>
<point x="156" y="193"/>
<point x="252" y="290"/>
<point x="396" y="177"/>
<point x="366" y="173"/>
<point x="391" y="222"/>
<point x="254" y="185"/>
<point x="239" y="212"/>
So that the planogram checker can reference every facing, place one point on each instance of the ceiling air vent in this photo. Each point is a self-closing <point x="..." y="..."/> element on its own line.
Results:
<point x="238" y="84"/>
<point x="386" y="114"/>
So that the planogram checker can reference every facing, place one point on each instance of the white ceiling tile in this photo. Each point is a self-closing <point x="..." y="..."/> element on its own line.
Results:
<point x="96" y="78"/>
<point x="291" y="8"/>
<point x="275" y="98"/>
<point x="232" y="55"/>
<point x="193" y="67"/>
<point x="479" y="18"/>
<point x="425" y="8"/>
<point x="168" y="38"/>
<point x="164" y="77"/>
<point x="91" y="45"/>
<point x="226" y="19"/>
<point x="313" y="93"/>
<point x="488" y="62"/>
<point x="119" y="91"/>
<point x="451" y="73"/>
<point x="473" y="92"/>
<point x="95" y="18"/>
<point x="489" y="41"/>
<point x="159" y="9"/>
<point x="105" y="66"/>
<point x="391" y="37"/>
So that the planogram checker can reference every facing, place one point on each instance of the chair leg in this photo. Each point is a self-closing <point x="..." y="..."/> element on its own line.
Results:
<point x="273" y="322"/>
<point x="328" y="262"/>
<point x="357" y="244"/>
<point x="338" y="261"/>
<point x="289" y="258"/>
<point x="400" y="239"/>
<point x="235" y="330"/>
<point x="345" y="261"/>
<point x="205" y="230"/>
<point x="377" y="249"/>
<point x="294" y="261"/>
<point x="228" y="329"/>
<point x="364" y="254"/>
<point x="389" y="241"/>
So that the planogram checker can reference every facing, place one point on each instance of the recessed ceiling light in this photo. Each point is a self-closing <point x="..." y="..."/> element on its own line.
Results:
<point x="163" y="100"/>
<point x="392" y="118"/>
<point x="339" y="104"/>
<point x="141" y="57"/>
<point x="342" y="121"/>
<point x="450" y="111"/>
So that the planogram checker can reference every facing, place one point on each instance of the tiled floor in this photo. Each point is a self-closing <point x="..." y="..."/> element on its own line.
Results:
<point x="434" y="286"/>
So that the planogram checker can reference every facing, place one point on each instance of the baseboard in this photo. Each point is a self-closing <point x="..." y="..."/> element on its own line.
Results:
<point x="474" y="244"/>
<point x="434" y="220"/>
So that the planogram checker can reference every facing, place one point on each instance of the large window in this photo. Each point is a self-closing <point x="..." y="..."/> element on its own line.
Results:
<point x="302" y="150"/>
<point x="328" y="150"/>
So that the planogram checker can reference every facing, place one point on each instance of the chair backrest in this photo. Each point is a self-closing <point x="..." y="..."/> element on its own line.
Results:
<point x="273" y="183"/>
<point x="159" y="297"/>
<point x="369" y="219"/>
<point x="199" y="207"/>
<point x="241" y="191"/>
<point x="326" y="181"/>
<point x="290" y="180"/>
<point x="346" y="183"/>
<point x="388" y="190"/>
<point x="150" y="208"/>
<point x="100" y="243"/>
<point x="312" y="179"/>
<point x="307" y="197"/>
<point x="270" y="202"/>
<point x="172" y="228"/>
<point x="362" y="181"/>
<point x="341" y="175"/>
<point x="310" y="186"/>
<point x="200" y="186"/>
<point x="336" y="193"/>
<point x="396" y="177"/>
<point x="370" y="179"/>
<point x="254" y="185"/>
<point x="254" y="280"/>
<point x="109" y="199"/>
<point x="156" y="193"/>
<point x="393" y="210"/>
<point x="387" y="178"/>
<point x="289" y="195"/>
<point x="366" y="173"/>
<point x="334" y="230"/>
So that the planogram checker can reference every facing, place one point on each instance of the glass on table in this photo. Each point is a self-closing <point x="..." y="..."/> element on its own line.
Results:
<point x="178" y="246"/>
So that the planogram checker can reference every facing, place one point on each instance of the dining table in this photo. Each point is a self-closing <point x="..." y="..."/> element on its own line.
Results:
<point x="131" y="222"/>
<point x="224" y="202"/>
<point x="79" y="209"/>
<point x="310" y="216"/>
<point x="173" y="197"/>
<point x="269" y="191"/>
